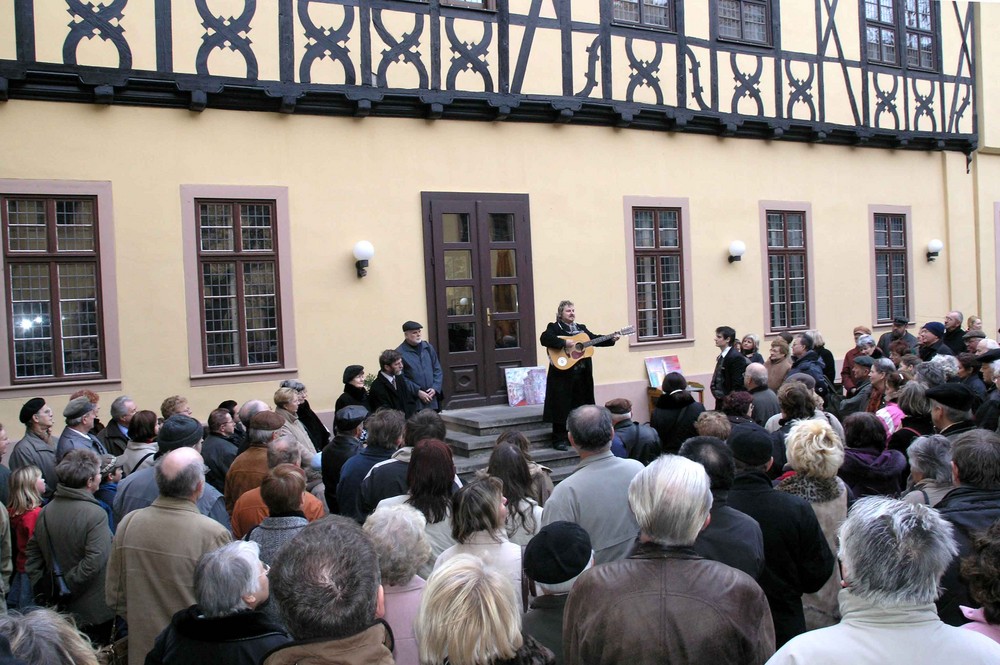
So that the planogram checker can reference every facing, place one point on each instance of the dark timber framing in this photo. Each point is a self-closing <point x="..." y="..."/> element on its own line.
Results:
<point x="892" y="107"/>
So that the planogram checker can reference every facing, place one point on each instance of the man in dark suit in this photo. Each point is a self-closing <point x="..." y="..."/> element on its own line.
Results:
<point x="389" y="389"/>
<point x="730" y="364"/>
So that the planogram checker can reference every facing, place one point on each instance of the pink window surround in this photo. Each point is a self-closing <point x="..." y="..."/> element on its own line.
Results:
<point x="108" y="285"/>
<point x="683" y="204"/>
<point x="907" y="213"/>
<point x="199" y="376"/>
<point x="788" y="206"/>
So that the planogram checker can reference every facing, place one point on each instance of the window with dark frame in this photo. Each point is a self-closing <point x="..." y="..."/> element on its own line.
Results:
<point x="787" y="259"/>
<point x="652" y="13"/>
<point x="53" y="289"/>
<point x="891" y="264"/>
<point x="238" y="275"/>
<point x="659" y="269"/>
<point x="887" y="20"/>
<point x="474" y="4"/>
<point x="744" y="20"/>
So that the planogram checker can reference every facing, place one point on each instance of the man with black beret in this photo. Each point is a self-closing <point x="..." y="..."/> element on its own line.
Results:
<point x="348" y="424"/>
<point x="554" y="558"/>
<point x="988" y="414"/>
<point x="797" y="559"/>
<point x="37" y="447"/>
<point x="951" y="408"/>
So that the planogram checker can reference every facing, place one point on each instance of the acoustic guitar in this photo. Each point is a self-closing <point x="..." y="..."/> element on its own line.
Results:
<point x="565" y="358"/>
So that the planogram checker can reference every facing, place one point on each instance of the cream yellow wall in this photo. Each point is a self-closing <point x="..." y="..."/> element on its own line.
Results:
<point x="361" y="179"/>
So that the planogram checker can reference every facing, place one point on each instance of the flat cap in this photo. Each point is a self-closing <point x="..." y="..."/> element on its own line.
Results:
<point x="864" y="361"/>
<point x="412" y="325"/>
<point x="974" y="334"/>
<point x="266" y="420"/>
<point x="349" y="417"/>
<point x="900" y="321"/>
<point x="77" y="408"/>
<point x="618" y="406"/>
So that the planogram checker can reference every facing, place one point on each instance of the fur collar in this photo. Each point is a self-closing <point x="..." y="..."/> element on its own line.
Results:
<point x="813" y="490"/>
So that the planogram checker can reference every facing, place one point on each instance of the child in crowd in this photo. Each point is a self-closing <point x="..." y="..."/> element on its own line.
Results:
<point x="26" y="488"/>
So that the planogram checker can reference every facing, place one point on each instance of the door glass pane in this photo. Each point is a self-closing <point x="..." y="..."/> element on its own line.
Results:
<point x="501" y="227"/>
<point x="506" y="335"/>
<point x="461" y="337"/>
<point x="457" y="264"/>
<point x="503" y="263"/>
<point x="456" y="227"/>
<point x="460" y="300"/>
<point x="505" y="297"/>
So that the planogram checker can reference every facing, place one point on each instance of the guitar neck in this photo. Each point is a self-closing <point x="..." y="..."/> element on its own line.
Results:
<point x="604" y="338"/>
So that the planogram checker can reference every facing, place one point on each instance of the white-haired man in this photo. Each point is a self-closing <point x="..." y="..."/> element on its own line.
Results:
<point x="664" y="603"/>
<point x="892" y="555"/>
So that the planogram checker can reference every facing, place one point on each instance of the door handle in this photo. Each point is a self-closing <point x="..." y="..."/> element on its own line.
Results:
<point x="489" y="318"/>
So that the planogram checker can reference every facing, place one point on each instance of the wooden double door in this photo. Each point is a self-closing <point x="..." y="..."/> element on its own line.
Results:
<point x="477" y="251"/>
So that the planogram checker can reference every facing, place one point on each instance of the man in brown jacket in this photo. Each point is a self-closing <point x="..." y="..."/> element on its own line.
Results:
<point x="250" y="467"/>
<point x="664" y="603"/>
<point x="151" y="571"/>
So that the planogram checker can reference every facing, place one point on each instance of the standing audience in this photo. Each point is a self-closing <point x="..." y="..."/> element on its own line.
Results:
<point x="24" y="507"/>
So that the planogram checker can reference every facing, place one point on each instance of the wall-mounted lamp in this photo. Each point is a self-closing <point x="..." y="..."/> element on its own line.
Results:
<point x="934" y="248"/>
<point x="737" y="249"/>
<point x="363" y="251"/>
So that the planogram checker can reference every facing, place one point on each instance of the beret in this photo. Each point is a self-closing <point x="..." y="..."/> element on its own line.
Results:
<point x="751" y="446"/>
<point x="954" y="395"/>
<point x="30" y="408"/>
<point x="557" y="553"/>
<point x="352" y="371"/>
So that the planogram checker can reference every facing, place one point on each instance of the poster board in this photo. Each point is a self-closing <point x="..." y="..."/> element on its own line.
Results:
<point x="525" y="385"/>
<point x="659" y="367"/>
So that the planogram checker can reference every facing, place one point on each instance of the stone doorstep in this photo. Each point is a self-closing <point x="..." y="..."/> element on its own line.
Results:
<point x="466" y="445"/>
<point x="491" y="419"/>
<point x="561" y="462"/>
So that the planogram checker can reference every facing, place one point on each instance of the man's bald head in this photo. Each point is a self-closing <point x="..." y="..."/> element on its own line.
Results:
<point x="251" y="408"/>
<point x="180" y="474"/>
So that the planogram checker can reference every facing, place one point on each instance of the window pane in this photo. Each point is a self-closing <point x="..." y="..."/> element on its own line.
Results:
<point x="255" y="224"/>
<point x="754" y="23"/>
<point x="501" y="227"/>
<point x="927" y="52"/>
<point x="775" y="230"/>
<point x="26" y="227"/>
<point x="910" y="13"/>
<point x="886" y="13"/>
<point x="261" y="312"/>
<point x="503" y="262"/>
<point x="897" y="232"/>
<point x="456" y="227"/>
<point x="627" y="10"/>
<point x="881" y="231"/>
<point x="505" y="335"/>
<point x="669" y="231"/>
<point x="504" y="298"/>
<point x="75" y="226"/>
<point x="670" y="276"/>
<point x="31" y="320"/>
<point x="216" y="225"/>
<point x="888" y="46"/>
<point x="874" y="48"/>
<point x="729" y="19"/>
<point x="643" y="223"/>
<point x="220" y="312"/>
<point x="796" y="230"/>
<point x="461" y="337"/>
<point x="656" y="12"/>
<point x="882" y="286"/>
<point x="912" y="52"/>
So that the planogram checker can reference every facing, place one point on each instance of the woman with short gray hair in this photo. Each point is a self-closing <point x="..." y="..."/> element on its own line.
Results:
<point x="930" y="470"/>
<point x="226" y="626"/>
<point x="397" y="532"/>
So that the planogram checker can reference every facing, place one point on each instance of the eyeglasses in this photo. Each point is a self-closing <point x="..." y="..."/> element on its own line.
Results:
<point x="266" y="569"/>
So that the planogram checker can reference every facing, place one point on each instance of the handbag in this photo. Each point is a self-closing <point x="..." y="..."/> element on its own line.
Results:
<point x="115" y="653"/>
<point x="51" y="589"/>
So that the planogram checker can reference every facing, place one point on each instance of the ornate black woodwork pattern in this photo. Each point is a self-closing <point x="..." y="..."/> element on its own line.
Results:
<point x="326" y="41"/>
<point x="469" y="56"/>
<point x="223" y="33"/>
<point x="101" y="20"/>
<point x="458" y="70"/>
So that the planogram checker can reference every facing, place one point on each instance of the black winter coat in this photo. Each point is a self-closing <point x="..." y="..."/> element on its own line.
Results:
<point x="641" y="442"/>
<point x="971" y="510"/>
<point x="567" y="389"/>
<point x="796" y="555"/>
<point x="237" y="639"/>
<point x="673" y="419"/>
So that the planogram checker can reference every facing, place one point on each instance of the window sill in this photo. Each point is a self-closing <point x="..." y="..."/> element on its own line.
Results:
<point x="243" y="376"/>
<point x="645" y="26"/>
<point x="742" y="42"/>
<point x="660" y="342"/>
<point x="58" y="387"/>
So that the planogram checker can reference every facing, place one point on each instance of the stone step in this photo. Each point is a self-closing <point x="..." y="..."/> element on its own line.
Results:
<point x="483" y="421"/>
<point x="467" y="445"/>
<point x="562" y="462"/>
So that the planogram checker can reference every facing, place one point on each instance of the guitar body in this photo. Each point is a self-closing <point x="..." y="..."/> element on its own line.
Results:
<point x="567" y="357"/>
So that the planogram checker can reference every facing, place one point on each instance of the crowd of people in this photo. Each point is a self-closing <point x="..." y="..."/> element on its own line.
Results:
<point x="803" y="519"/>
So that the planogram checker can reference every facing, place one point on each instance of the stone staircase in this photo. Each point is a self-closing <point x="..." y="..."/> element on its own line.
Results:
<point x="472" y="433"/>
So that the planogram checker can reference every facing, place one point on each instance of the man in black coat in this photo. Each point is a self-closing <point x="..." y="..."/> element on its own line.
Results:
<point x="806" y="361"/>
<point x="218" y="449"/>
<point x="954" y="336"/>
<point x="347" y="424"/>
<point x="389" y="389"/>
<point x="566" y="389"/>
<point x="930" y="341"/>
<point x="796" y="555"/>
<point x="971" y="507"/>
<point x="641" y="442"/>
<point x="729" y="365"/>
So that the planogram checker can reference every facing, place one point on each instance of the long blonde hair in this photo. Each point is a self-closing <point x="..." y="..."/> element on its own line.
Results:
<point x="24" y="495"/>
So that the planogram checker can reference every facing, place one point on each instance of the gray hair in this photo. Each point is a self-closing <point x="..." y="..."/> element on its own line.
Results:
<point x="952" y="414"/>
<point x="260" y="436"/>
<point x="295" y="385"/>
<point x="283" y="450"/>
<point x="671" y="499"/>
<point x="995" y="366"/>
<point x="931" y="456"/>
<point x="912" y="400"/>
<point x="757" y="372"/>
<point x="895" y="552"/>
<point x="46" y="636"/>
<point x="77" y="467"/>
<point x="223" y="576"/>
<point x="884" y="366"/>
<point x="865" y="341"/>
<point x="118" y="408"/>
<point x="249" y="410"/>
<point x="397" y="532"/>
<point x="184" y="483"/>
<point x="327" y="584"/>
<point x="590" y="426"/>
<point x="949" y="365"/>
<point x="930" y="374"/>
